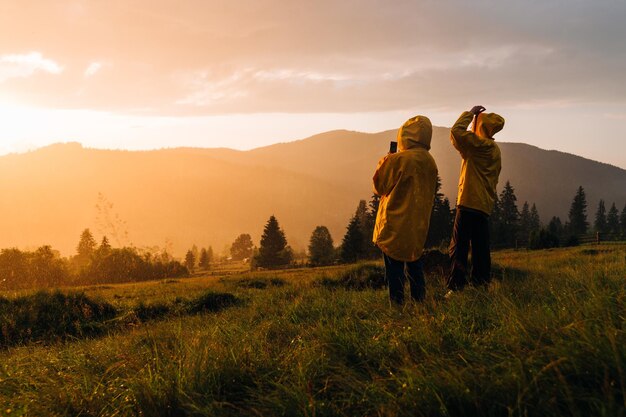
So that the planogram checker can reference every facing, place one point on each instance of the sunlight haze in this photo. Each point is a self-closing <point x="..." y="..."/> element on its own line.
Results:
<point x="148" y="75"/>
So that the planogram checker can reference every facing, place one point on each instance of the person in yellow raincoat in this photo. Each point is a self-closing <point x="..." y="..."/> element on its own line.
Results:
<point x="480" y="170"/>
<point x="405" y="182"/>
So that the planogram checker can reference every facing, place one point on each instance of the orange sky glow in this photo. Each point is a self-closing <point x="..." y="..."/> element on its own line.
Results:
<point x="244" y="74"/>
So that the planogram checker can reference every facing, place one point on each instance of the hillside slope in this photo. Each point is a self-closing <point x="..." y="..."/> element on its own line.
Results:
<point x="209" y="196"/>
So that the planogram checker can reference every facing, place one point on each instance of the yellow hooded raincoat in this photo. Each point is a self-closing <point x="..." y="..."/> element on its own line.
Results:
<point x="481" y="164"/>
<point x="406" y="182"/>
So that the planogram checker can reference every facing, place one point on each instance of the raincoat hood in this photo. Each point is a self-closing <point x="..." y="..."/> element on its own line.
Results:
<point x="415" y="132"/>
<point x="488" y="124"/>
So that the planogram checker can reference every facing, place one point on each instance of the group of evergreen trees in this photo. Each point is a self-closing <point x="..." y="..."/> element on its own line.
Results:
<point x="508" y="226"/>
<point x="511" y="228"/>
<point x="101" y="263"/>
<point x="198" y="259"/>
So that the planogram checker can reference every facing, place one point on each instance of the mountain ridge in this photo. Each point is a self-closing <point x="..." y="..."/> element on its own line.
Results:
<point x="174" y="197"/>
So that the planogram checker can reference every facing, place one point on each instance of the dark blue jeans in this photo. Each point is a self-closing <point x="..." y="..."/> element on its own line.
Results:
<point x="395" y="273"/>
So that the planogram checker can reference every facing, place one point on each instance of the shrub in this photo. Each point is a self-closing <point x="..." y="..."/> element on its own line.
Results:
<point x="46" y="316"/>
<point x="543" y="239"/>
<point x="260" y="283"/>
<point x="359" y="277"/>
<point x="212" y="302"/>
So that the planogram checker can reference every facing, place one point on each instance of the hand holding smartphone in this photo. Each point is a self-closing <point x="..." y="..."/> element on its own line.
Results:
<point x="393" y="147"/>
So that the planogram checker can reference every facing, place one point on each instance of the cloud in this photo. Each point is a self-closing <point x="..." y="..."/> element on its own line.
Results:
<point x="92" y="69"/>
<point x="207" y="57"/>
<point x="25" y="65"/>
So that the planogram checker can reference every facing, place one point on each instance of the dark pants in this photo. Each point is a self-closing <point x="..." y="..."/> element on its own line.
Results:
<point x="395" y="274"/>
<point x="470" y="227"/>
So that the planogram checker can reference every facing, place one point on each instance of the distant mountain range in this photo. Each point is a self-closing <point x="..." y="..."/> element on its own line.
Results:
<point x="178" y="197"/>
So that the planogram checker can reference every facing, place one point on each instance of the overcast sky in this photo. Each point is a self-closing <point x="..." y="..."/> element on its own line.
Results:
<point x="148" y="74"/>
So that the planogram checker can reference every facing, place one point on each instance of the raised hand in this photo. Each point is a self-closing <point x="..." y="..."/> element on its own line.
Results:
<point x="476" y="110"/>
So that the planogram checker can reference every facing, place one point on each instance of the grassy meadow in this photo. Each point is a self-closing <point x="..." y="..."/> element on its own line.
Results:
<point x="546" y="338"/>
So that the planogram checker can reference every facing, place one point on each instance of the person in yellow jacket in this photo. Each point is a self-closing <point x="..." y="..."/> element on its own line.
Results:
<point x="405" y="182"/>
<point x="480" y="170"/>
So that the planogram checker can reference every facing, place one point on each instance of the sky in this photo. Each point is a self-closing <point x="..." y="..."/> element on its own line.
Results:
<point x="147" y="74"/>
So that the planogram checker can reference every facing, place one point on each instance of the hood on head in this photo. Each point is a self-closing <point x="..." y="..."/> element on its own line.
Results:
<point x="417" y="131"/>
<point x="488" y="124"/>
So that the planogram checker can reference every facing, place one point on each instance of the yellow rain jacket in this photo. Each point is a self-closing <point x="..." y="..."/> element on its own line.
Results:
<point x="406" y="181"/>
<point x="481" y="164"/>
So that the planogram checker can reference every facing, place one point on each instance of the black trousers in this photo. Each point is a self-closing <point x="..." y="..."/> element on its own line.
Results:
<point x="470" y="228"/>
<point x="395" y="274"/>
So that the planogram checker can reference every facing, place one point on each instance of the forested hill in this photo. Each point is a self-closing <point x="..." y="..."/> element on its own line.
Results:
<point x="183" y="196"/>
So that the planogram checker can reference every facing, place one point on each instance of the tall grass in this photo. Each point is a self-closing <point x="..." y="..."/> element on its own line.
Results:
<point x="547" y="339"/>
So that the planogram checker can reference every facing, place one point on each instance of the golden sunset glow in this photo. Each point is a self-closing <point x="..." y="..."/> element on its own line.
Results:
<point x="146" y="75"/>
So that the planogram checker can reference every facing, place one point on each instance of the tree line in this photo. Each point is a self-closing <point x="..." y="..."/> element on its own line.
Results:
<point x="100" y="263"/>
<point x="510" y="227"/>
<point x="93" y="263"/>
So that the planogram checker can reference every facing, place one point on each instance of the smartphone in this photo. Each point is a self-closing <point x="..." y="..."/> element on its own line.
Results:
<point x="393" y="147"/>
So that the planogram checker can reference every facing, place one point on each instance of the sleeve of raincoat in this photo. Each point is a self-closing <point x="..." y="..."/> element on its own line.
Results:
<point x="465" y="141"/>
<point x="386" y="176"/>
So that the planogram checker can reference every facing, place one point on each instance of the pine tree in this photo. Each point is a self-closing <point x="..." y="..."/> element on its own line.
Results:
<point x="622" y="221"/>
<point x="509" y="215"/>
<point x="190" y="261"/>
<point x="86" y="249"/>
<point x="209" y="253"/>
<point x="321" y="249"/>
<point x="495" y="224"/>
<point x="535" y="220"/>
<point x="196" y="253"/>
<point x="105" y="246"/>
<point x="273" y="252"/>
<point x="524" y="224"/>
<point x="440" y="219"/>
<point x="373" y="207"/>
<point x="242" y="247"/>
<point x="612" y="221"/>
<point x="556" y="227"/>
<point x="366" y="225"/>
<point x="371" y="250"/>
<point x="578" y="214"/>
<point x="204" y="259"/>
<point x="352" y="244"/>
<point x="600" y="224"/>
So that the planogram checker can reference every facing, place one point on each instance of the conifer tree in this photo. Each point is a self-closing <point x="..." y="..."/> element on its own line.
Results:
<point x="105" y="245"/>
<point x="509" y="215"/>
<point x="441" y="219"/>
<point x="600" y="224"/>
<point x="196" y="254"/>
<point x="535" y="220"/>
<point x="612" y="221"/>
<point x="372" y="251"/>
<point x="622" y="221"/>
<point x="273" y="251"/>
<point x="524" y="223"/>
<point x="209" y="253"/>
<point x="86" y="249"/>
<point x="373" y="207"/>
<point x="352" y="244"/>
<point x="104" y="248"/>
<point x="495" y="224"/>
<point x="321" y="249"/>
<point x="190" y="260"/>
<point x="556" y="227"/>
<point x="204" y="259"/>
<point x="578" y="214"/>
<point x="366" y="226"/>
